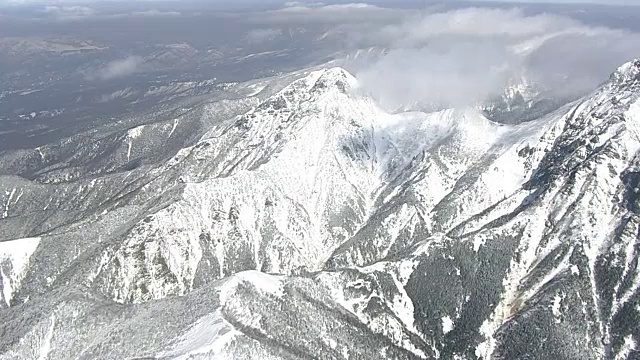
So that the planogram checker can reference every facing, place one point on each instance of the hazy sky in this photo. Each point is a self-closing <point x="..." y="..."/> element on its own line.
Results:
<point x="604" y="2"/>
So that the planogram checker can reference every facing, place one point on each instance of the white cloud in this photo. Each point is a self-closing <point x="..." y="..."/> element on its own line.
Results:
<point x="119" y="68"/>
<point x="437" y="77"/>
<point x="69" y="12"/>
<point x="290" y="4"/>
<point x="476" y="22"/>
<point x="61" y="12"/>
<point x="152" y="12"/>
<point x="263" y="35"/>
<point x="297" y="12"/>
<point x="465" y="56"/>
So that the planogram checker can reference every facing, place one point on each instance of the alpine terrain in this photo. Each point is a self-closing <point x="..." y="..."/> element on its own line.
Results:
<point x="293" y="218"/>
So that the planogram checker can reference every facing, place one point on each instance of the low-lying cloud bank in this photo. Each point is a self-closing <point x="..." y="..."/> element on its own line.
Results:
<point x="68" y="13"/>
<point x="300" y="13"/>
<point x="466" y="56"/>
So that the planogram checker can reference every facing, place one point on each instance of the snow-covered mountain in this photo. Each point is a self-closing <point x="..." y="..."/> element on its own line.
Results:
<point x="308" y="223"/>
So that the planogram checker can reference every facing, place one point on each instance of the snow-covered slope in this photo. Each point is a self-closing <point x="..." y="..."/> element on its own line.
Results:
<point x="315" y="225"/>
<point x="523" y="100"/>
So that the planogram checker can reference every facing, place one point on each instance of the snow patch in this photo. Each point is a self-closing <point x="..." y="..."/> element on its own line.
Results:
<point x="45" y="348"/>
<point x="255" y="89"/>
<point x="208" y="336"/>
<point x="7" y="205"/>
<point x="575" y="270"/>
<point x="174" y="126"/>
<point x="264" y="283"/>
<point x="447" y="324"/>
<point x="633" y="121"/>
<point x="556" y="307"/>
<point x="132" y="134"/>
<point x="135" y="132"/>
<point x="630" y="346"/>
<point x="14" y="261"/>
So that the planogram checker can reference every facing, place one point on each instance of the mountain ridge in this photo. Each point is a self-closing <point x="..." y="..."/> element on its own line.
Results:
<point x="412" y="235"/>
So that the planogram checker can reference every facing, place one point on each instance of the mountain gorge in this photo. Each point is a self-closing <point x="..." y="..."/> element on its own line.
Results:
<point x="302" y="221"/>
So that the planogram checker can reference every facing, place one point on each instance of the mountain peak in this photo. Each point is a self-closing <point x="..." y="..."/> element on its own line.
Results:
<point x="312" y="85"/>
<point x="335" y="77"/>
<point x="338" y="73"/>
<point x="627" y="72"/>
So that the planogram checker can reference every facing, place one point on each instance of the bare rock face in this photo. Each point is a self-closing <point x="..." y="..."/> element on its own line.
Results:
<point x="315" y="225"/>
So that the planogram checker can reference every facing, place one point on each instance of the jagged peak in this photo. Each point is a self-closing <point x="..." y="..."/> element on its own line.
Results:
<point x="335" y="77"/>
<point x="630" y="71"/>
<point x="337" y="73"/>
<point x="313" y="84"/>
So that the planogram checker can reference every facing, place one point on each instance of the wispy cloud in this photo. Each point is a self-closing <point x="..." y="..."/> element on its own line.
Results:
<point x="306" y="13"/>
<point x="69" y="12"/>
<point x="118" y="68"/>
<point x="152" y="12"/>
<point x="85" y="13"/>
<point x="263" y="35"/>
